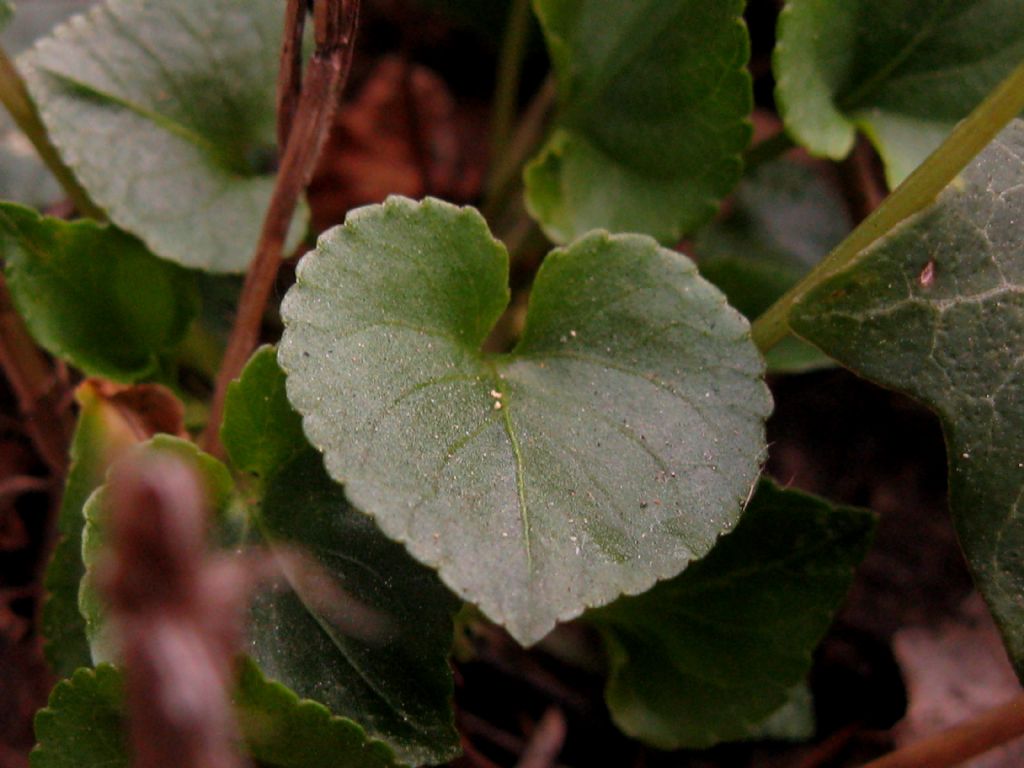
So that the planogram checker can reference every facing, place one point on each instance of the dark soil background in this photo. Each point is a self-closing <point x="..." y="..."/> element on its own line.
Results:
<point x="914" y="649"/>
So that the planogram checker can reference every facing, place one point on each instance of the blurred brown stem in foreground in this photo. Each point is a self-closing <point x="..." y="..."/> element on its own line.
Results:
<point x="178" y="614"/>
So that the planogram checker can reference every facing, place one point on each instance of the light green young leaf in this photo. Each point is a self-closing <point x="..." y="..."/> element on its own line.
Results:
<point x="223" y="500"/>
<point x="609" y="449"/>
<point x="653" y="105"/>
<point x="83" y="726"/>
<point x="903" y="71"/>
<point x="936" y="309"/>
<point x="165" y="112"/>
<point x="63" y="626"/>
<point x="711" y="654"/>
<point x="105" y="430"/>
<point x="782" y="221"/>
<point x="361" y="628"/>
<point x="94" y="296"/>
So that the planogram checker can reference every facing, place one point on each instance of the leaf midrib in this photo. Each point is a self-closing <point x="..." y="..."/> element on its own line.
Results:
<point x="517" y="459"/>
<point x="168" y="124"/>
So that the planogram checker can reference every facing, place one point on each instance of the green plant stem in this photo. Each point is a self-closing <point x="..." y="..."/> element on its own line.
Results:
<point x="510" y="67"/>
<point x="14" y="96"/>
<point x="919" y="190"/>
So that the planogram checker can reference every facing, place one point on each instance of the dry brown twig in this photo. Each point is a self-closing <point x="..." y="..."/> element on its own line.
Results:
<point x="307" y="102"/>
<point x="958" y="744"/>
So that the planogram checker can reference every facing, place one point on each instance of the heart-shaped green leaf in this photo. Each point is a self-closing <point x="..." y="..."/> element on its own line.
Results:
<point x="709" y="655"/>
<point x="83" y="726"/>
<point x="936" y="309"/>
<point x="363" y="629"/>
<point x="903" y="71"/>
<point x="654" y="98"/>
<point x="165" y="112"/>
<point x="613" y="446"/>
<point x="95" y="296"/>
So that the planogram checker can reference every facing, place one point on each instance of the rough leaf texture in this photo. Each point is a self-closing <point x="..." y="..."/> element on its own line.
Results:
<point x="653" y="105"/>
<point x="902" y="71"/>
<point x="83" y="726"/>
<point x="94" y="296"/>
<point x="610" y="448"/>
<point x="936" y="310"/>
<point x="361" y="627"/>
<point x="711" y="654"/>
<point x="165" y="111"/>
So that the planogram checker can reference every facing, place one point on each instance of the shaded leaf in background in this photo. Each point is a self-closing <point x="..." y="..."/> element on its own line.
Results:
<point x="202" y="349"/>
<point x="361" y="627"/>
<point x="935" y="309"/>
<point x="94" y="296"/>
<point x="610" y="448"/>
<point x="784" y="218"/>
<point x="902" y="71"/>
<point x="110" y="421"/>
<point x="711" y="654"/>
<point x="654" y="101"/>
<point x="165" y="112"/>
<point x="23" y="177"/>
<point x="223" y="503"/>
<point x="83" y="726"/>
